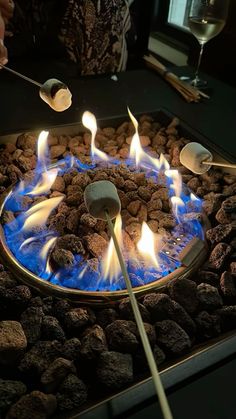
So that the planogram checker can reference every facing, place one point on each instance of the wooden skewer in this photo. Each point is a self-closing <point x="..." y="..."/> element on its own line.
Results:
<point x="143" y="335"/>
<point x="22" y="76"/>
<point x="213" y="163"/>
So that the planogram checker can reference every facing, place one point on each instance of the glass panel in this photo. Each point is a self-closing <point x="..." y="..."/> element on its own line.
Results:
<point x="178" y="13"/>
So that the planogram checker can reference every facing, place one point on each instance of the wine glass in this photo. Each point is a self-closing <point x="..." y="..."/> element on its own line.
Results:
<point x="206" y="20"/>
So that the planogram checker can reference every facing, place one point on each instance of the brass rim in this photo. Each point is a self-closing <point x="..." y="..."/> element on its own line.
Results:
<point x="95" y="297"/>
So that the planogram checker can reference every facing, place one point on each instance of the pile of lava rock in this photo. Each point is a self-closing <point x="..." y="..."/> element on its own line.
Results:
<point x="54" y="355"/>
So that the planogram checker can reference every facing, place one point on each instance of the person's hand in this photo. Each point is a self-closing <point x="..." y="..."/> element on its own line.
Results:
<point x="6" y="12"/>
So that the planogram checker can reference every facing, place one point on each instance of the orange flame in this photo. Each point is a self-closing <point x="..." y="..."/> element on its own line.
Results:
<point x="138" y="154"/>
<point x="148" y="245"/>
<point x="110" y="264"/>
<point x="38" y="214"/>
<point x="89" y="121"/>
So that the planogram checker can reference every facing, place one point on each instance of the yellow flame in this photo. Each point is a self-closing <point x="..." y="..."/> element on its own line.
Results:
<point x="44" y="184"/>
<point x="27" y="241"/>
<point x="42" y="147"/>
<point x="147" y="245"/>
<point x="110" y="264"/>
<point x="177" y="181"/>
<point x="176" y="203"/>
<point x="194" y="197"/>
<point x="89" y="121"/>
<point x="38" y="214"/>
<point x="139" y="155"/>
<point x="44" y="253"/>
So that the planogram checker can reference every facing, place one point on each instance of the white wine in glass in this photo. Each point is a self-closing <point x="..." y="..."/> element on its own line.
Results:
<point x="206" y="20"/>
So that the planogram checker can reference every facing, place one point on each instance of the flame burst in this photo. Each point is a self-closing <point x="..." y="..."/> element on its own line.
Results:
<point x="148" y="246"/>
<point x="110" y="264"/>
<point x="89" y="121"/>
<point x="37" y="215"/>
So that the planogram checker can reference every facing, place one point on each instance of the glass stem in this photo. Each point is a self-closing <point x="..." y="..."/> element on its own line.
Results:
<point x="199" y="63"/>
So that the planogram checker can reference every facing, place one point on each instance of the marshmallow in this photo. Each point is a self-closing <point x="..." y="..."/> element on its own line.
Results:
<point x="56" y="94"/>
<point x="102" y="196"/>
<point x="192" y="156"/>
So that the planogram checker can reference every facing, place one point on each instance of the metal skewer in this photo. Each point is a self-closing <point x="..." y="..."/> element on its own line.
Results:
<point x="143" y="335"/>
<point x="22" y="76"/>
<point x="213" y="163"/>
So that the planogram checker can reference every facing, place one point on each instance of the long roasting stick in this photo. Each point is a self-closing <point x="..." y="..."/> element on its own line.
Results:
<point x="22" y="76"/>
<point x="190" y="93"/>
<point x="146" y="345"/>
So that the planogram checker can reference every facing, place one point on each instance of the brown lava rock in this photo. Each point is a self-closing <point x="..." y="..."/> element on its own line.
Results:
<point x="10" y="392"/>
<point x="207" y="277"/>
<point x="220" y="233"/>
<point x="219" y="255"/>
<point x="78" y="319"/>
<point x="51" y="329"/>
<point x="93" y="342"/>
<point x="122" y="336"/>
<point x="36" y="405"/>
<point x="228" y="286"/>
<point x="72" y="393"/>
<point x="54" y="375"/>
<point x="162" y="307"/>
<point x="184" y="291"/>
<point x="31" y="321"/>
<point x="208" y="325"/>
<point x="106" y="317"/>
<point x="63" y="258"/>
<point x="172" y="338"/>
<point x="209" y="297"/>
<point x="115" y="370"/>
<point x="12" y="342"/>
<point x="39" y="357"/>
<point x="96" y="244"/>
<point x="227" y="317"/>
<point x="126" y="311"/>
<point x="14" y="300"/>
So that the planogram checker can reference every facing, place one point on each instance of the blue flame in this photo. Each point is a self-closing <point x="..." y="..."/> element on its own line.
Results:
<point x="82" y="275"/>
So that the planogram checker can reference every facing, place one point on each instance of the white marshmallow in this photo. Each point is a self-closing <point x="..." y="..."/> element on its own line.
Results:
<point x="102" y="196"/>
<point x="192" y="156"/>
<point x="56" y="94"/>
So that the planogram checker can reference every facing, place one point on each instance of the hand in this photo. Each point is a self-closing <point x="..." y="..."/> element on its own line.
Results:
<point x="6" y="12"/>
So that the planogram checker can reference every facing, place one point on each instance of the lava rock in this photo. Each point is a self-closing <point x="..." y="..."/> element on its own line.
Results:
<point x="31" y="321"/>
<point x="71" y="349"/>
<point x="220" y="233"/>
<point x="209" y="297"/>
<point x="106" y="317"/>
<point x="93" y="342"/>
<point x="14" y="300"/>
<point x="233" y="268"/>
<point x="78" y="319"/>
<point x="61" y="307"/>
<point x="72" y="393"/>
<point x="13" y="342"/>
<point x="163" y="308"/>
<point x="96" y="244"/>
<point x="208" y="277"/>
<point x="227" y="317"/>
<point x="172" y="338"/>
<point x="219" y="255"/>
<point x="229" y="205"/>
<point x="63" y="258"/>
<point x="10" y="392"/>
<point x="52" y="330"/>
<point x="54" y="375"/>
<point x="115" y="370"/>
<point x="122" y="336"/>
<point x="184" y="291"/>
<point x="228" y="286"/>
<point x="140" y="360"/>
<point x="39" y="357"/>
<point x="7" y="280"/>
<point x="208" y="325"/>
<point x="35" y="405"/>
<point x="126" y="311"/>
<point x="48" y="303"/>
<point x="70" y="242"/>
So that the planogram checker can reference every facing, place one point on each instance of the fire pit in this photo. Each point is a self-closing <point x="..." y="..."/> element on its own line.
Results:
<point x="53" y="244"/>
<point x="61" y="356"/>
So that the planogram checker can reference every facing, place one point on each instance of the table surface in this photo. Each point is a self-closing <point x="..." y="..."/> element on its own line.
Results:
<point x="142" y="90"/>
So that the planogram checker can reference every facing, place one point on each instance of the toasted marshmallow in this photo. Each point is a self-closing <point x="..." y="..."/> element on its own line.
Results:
<point x="56" y="94"/>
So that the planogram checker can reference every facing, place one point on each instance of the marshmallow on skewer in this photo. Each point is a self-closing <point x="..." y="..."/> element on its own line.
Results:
<point x="56" y="94"/>
<point x="102" y="196"/>
<point x="193" y="155"/>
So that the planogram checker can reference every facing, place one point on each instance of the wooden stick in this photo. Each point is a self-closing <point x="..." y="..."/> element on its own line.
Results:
<point x="213" y="163"/>
<point x="22" y="76"/>
<point x="143" y="335"/>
